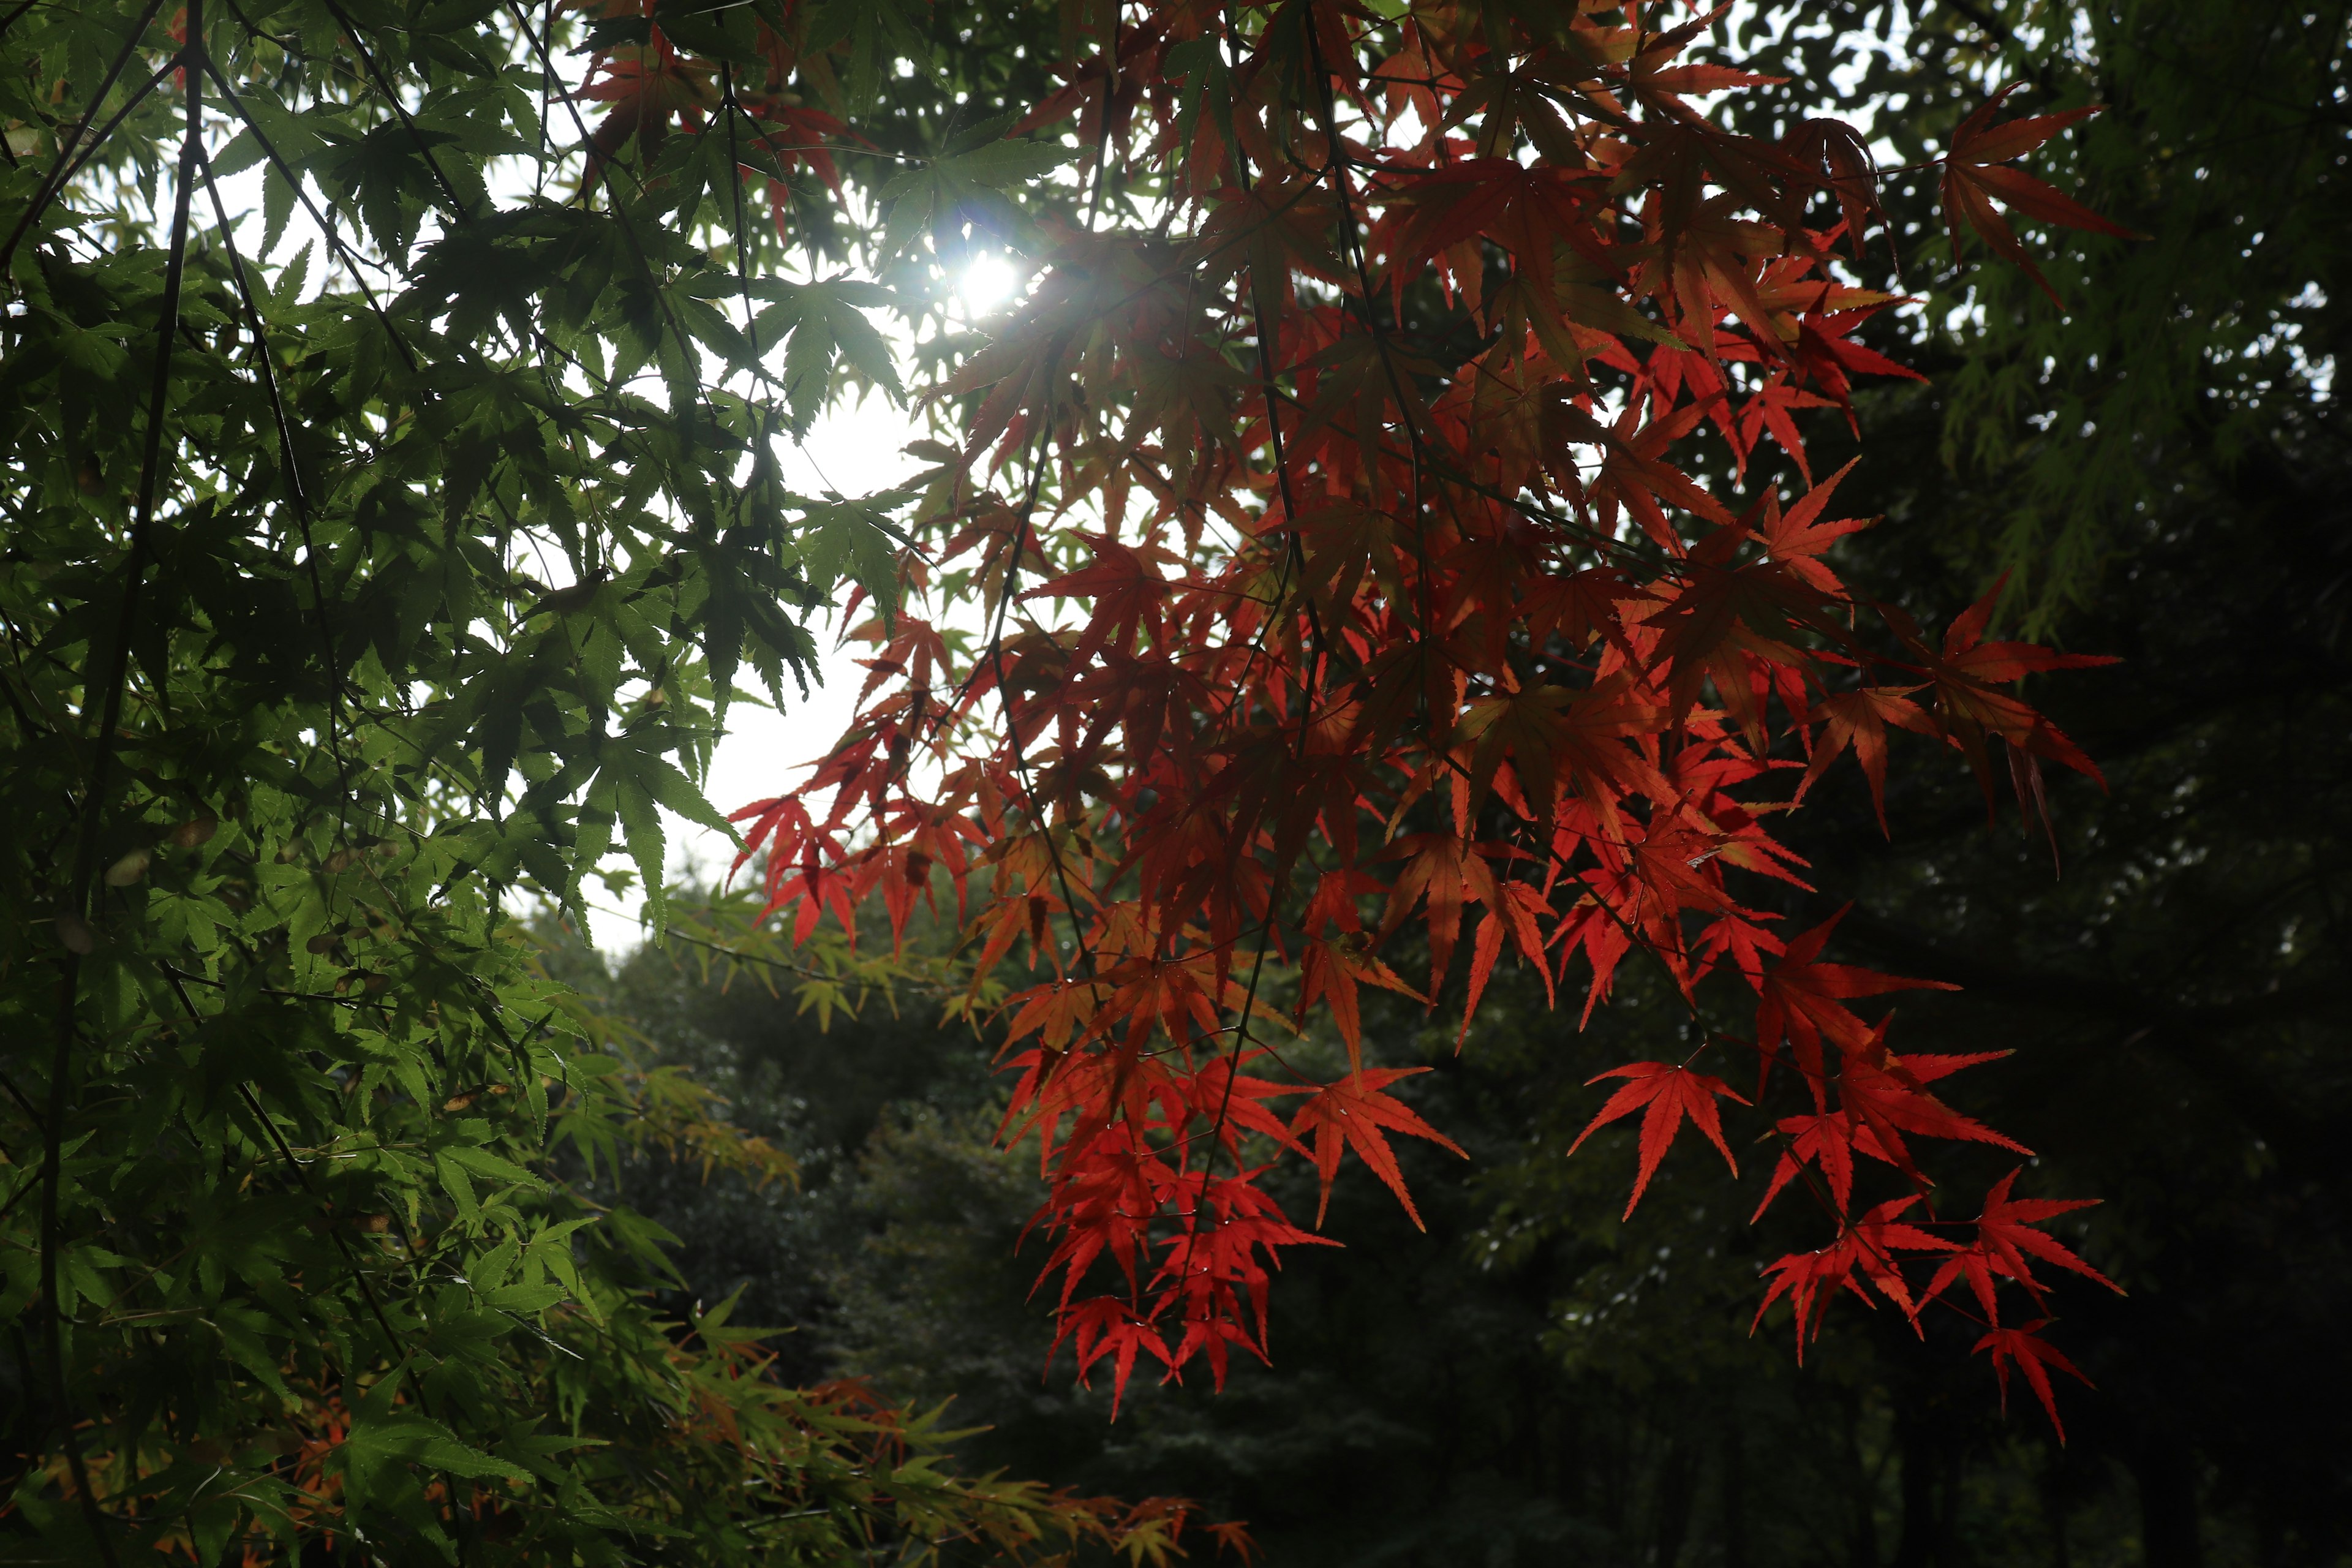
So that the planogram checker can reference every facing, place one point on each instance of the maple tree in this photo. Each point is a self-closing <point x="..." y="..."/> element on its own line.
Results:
<point x="1529" y="1369"/>
<point x="1368" y="409"/>
<point x="1302" y="614"/>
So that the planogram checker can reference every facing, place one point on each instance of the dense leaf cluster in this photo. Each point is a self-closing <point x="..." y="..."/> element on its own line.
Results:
<point x="374" y="558"/>
<point x="1532" y="1381"/>
<point x="1513" y="607"/>
<point x="397" y="555"/>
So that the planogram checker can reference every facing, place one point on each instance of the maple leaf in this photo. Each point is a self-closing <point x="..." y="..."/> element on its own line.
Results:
<point x="1886" y="1096"/>
<point x="1273" y="570"/>
<point x="1332" y="579"/>
<point x="648" y="85"/>
<point x="1647" y="882"/>
<point x="1859" y="718"/>
<point x="1176" y="996"/>
<point x="2007" y="1241"/>
<point x="1523" y="209"/>
<point x="1356" y="1112"/>
<point x="1635" y="473"/>
<point x="1965" y="651"/>
<point x="1107" y="1187"/>
<point x="1870" y="1243"/>
<point x="1829" y="1140"/>
<point x="1826" y="355"/>
<point x="1232" y="1535"/>
<point x="790" y="134"/>
<point x="1848" y="169"/>
<point x="1722" y="618"/>
<point x="1527" y="726"/>
<point x="1974" y="175"/>
<point x="1717" y="263"/>
<point x="1102" y="89"/>
<point x="1962" y="674"/>
<point x="1363" y="386"/>
<point x="1802" y="1000"/>
<point x="1450" y="872"/>
<point x="1107" y="1326"/>
<point x="803" y="866"/>
<point x="1771" y="410"/>
<point x="1233" y="1102"/>
<point x="1127" y="586"/>
<point x="1059" y="1011"/>
<point x="1513" y="917"/>
<point x="1329" y="971"/>
<point x="1006" y="921"/>
<point x="2025" y="1349"/>
<point x="1664" y="1094"/>
<point x="1798" y="537"/>
<point x="1236" y="1231"/>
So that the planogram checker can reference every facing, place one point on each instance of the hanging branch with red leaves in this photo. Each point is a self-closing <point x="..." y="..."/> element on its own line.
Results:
<point x="1344" y="554"/>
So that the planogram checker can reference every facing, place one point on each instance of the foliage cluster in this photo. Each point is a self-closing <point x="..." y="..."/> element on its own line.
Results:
<point x="1532" y="1379"/>
<point x="1533" y="1382"/>
<point x="347" y="592"/>
<point x="1336" y="510"/>
<point x="353" y="592"/>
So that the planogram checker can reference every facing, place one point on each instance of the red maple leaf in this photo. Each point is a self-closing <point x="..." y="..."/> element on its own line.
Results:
<point x="1356" y="1112"/>
<point x="1296" y="619"/>
<point x="2006" y="1242"/>
<point x="1888" y="1097"/>
<point x="1801" y="1002"/>
<point x="1859" y="718"/>
<point x="1664" y="1094"/>
<point x="1974" y="177"/>
<point x="1810" y="1279"/>
<point x="1107" y="1326"/>
<point x="2025" y="1349"/>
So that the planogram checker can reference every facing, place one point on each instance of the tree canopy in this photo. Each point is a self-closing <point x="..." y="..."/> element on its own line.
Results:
<point x="1532" y="1381"/>
<point x="1390" y="497"/>
<point x="348" y="593"/>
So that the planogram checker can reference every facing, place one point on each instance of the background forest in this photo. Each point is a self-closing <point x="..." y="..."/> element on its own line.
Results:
<point x="2163" y="471"/>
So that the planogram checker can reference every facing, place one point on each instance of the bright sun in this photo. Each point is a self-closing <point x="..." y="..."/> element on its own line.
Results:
<point x="986" y="283"/>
